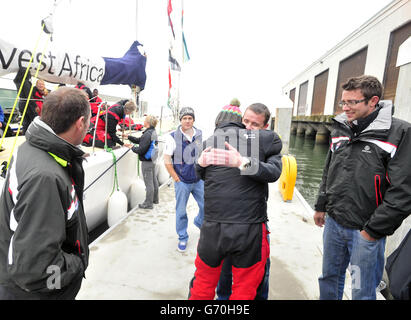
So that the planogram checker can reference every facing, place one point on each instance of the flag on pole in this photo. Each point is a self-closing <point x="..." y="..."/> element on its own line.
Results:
<point x="169" y="88"/>
<point x="169" y="10"/>
<point x="173" y="62"/>
<point x="186" y="56"/>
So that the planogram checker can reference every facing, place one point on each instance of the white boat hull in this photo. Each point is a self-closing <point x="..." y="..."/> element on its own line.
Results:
<point x="97" y="195"/>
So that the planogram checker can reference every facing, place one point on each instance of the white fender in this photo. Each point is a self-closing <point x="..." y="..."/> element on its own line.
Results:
<point x="117" y="207"/>
<point x="137" y="193"/>
<point x="162" y="173"/>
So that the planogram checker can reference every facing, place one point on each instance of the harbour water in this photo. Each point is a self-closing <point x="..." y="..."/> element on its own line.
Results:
<point x="310" y="163"/>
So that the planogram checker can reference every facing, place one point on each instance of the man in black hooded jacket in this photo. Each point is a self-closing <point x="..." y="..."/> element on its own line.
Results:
<point x="43" y="232"/>
<point x="365" y="189"/>
<point x="236" y="165"/>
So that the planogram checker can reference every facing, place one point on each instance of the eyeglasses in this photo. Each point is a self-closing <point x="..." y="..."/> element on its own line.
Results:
<point x="351" y="103"/>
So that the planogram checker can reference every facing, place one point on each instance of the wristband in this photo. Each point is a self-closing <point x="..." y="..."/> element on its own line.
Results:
<point x="245" y="163"/>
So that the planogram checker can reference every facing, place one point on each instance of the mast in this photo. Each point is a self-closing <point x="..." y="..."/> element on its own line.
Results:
<point x="135" y="89"/>
<point x="136" y="20"/>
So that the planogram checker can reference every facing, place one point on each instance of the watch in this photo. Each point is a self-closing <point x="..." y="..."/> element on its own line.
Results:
<point x="245" y="163"/>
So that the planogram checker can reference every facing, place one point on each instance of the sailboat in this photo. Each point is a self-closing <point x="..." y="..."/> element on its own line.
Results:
<point x="103" y="170"/>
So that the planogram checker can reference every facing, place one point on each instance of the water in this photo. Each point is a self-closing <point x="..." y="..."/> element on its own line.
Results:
<point x="310" y="164"/>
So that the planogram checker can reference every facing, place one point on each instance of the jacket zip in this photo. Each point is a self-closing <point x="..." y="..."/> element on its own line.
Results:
<point x="377" y="189"/>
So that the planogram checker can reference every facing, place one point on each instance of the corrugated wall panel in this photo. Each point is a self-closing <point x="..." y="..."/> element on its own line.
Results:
<point x="353" y="66"/>
<point x="397" y="37"/>
<point x="292" y="97"/>
<point x="320" y="90"/>
<point x="302" y="99"/>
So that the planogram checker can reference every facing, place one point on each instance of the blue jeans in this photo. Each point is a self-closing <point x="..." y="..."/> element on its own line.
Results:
<point x="343" y="246"/>
<point x="226" y="280"/>
<point x="183" y="191"/>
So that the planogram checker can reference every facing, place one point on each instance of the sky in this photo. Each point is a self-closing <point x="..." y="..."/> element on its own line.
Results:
<point x="248" y="49"/>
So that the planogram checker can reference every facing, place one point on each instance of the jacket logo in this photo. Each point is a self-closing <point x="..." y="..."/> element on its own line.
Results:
<point x="250" y="135"/>
<point x="366" y="149"/>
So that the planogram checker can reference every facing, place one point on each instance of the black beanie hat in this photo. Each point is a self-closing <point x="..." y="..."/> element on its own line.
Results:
<point x="186" y="111"/>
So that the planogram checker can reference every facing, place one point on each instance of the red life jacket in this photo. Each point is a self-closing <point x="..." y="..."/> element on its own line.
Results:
<point x="101" y="125"/>
<point x="38" y="100"/>
<point x="126" y="121"/>
<point x="94" y="105"/>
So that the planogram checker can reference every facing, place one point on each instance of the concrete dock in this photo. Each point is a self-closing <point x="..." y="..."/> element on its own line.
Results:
<point x="138" y="257"/>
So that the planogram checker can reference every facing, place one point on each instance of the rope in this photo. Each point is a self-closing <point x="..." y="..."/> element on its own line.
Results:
<point x="117" y="160"/>
<point x="115" y="184"/>
<point x="7" y="98"/>
<point x="27" y="102"/>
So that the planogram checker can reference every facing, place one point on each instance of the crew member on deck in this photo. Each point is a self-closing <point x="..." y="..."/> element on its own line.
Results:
<point x="94" y="103"/>
<point x="39" y="93"/>
<point x="2" y="122"/>
<point x="82" y="86"/>
<point x="112" y="116"/>
<point x="24" y="94"/>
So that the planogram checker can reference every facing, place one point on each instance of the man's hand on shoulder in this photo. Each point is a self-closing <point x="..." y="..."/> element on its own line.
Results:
<point x="203" y="160"/>
<point x="219" y="157"/>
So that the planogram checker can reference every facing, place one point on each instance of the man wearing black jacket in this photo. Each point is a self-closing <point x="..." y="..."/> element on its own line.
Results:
<point x="365" y="189"/>
<point x="236" y="165"/>
<point x="43" y="232"/>
<point x="31" y="112"/>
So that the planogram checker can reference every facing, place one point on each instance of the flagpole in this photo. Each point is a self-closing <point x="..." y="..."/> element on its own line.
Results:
<point x="136" y="20"/>
<point x="178" y="94"/>
<point x="135" y="90"/>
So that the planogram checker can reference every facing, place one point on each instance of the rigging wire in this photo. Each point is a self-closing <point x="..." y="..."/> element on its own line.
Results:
<point x="27" y="102"/>
<point x="21" y="86"/>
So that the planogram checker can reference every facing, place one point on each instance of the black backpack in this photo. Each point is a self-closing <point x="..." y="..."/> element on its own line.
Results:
<point x="398" y="269"/>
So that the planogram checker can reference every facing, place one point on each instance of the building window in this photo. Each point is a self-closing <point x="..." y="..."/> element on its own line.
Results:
<point x="302" y="99"/>
<point x="397" y="37"/>
<point x="292" y="97"/>
<point x="353" y="66"/>
<point x="320" y="91"/>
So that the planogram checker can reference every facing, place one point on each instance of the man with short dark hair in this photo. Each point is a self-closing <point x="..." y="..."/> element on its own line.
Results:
<point x="365" y="189"/>
<point x="236" y="181"/>
<point x="180" y="153"/>
<point x="256" y="117"/>
<point x="43" y="232"/>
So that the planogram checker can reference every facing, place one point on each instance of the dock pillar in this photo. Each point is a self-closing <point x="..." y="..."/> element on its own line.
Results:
<point x="282" y="124"/>
<point x="311" y="131"/>
<point x="322" y="136"/>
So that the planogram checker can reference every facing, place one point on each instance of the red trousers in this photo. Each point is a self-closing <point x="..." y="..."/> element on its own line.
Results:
<point x="241" y="247"/>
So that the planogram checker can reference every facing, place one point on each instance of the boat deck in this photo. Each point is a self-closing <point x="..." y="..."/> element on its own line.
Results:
<point x="7" y="146"/>
<point x="138" y="257"/>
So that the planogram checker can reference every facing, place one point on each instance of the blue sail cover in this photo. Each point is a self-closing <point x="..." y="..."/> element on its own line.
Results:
<point x="130" y="69"/>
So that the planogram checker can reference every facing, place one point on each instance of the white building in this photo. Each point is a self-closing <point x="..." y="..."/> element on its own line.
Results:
<point x="371" y="49"/>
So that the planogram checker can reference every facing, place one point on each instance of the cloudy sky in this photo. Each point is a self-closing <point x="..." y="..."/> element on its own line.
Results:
<point x="246" y="49"/>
